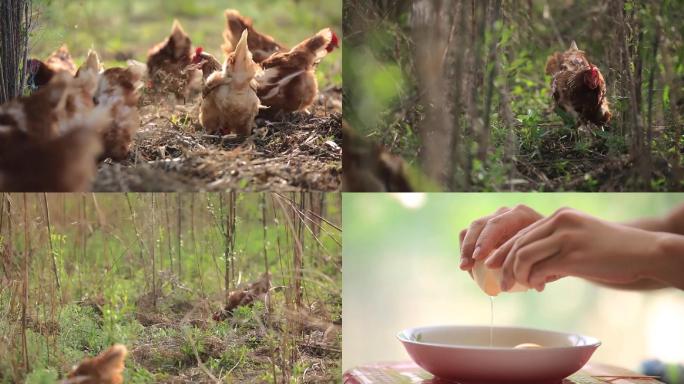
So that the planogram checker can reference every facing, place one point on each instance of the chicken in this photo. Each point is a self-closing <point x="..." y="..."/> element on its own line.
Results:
<point x="205" y="62"/>
<point x="118" y="92"/>
<point x="168" y="61"/>
<point x="288" y="82"/>
<point x="229" y="100"/>
<point x="368" y="167"/>
<point x="40" y="73"/>
<point x="256" y="290"/>
<point x="262" y="46"/>
<point x="105" y="368"/>
<point x="578" y="87"/>
<point x="570" y="60"/>
<point x="46" y="144"/>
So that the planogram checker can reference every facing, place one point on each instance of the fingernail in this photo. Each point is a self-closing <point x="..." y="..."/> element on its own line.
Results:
<point x="464" y="262"/>
<point x="489" y="261"/>
<point x="476" y="253"/>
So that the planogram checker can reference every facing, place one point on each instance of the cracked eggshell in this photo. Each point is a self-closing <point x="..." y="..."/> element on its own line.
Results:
<point x="489" y="280"/>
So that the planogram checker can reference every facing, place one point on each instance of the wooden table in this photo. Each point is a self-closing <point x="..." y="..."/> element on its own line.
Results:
<point x="410" y="373"/>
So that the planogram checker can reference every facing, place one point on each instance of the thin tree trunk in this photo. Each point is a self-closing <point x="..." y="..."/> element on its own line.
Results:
<point x="25" y="296"/>
<point x="15" y="26"/>
<point x="649" y="127"/>
<point x="179" y="209"/>
<point x="483" y="144"/>
<point x="154" y="242"/>
<point x="429" y="19"/>
<point x="52" y="251"/>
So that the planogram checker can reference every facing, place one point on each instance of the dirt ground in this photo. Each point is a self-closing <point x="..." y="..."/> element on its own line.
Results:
<point x="171" y="152"/>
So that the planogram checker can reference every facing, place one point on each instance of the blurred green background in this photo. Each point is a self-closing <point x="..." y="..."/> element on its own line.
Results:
<point x="128" y="28"/>
<point x="401" y="256"/>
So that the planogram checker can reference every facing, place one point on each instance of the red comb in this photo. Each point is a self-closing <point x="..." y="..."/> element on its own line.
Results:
<point x="198" y="55"/>
<point x="334" y="42"/>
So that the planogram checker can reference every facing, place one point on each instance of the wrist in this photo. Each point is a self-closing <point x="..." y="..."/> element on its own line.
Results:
<point x="667" y="259"/>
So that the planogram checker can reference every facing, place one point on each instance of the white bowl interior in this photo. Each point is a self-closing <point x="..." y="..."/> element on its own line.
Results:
<point x="464" y="353"/>
<point x="493" y="337"/>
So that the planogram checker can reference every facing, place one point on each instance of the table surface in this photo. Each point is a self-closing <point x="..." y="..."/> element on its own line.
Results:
<point x="410" y="373"/>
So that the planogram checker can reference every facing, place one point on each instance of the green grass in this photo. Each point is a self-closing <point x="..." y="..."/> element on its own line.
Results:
<point x="106" y="291"/>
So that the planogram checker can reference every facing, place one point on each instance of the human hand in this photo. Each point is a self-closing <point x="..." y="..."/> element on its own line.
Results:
<point x="487" y="233"/>
<point x="571" y="243"/>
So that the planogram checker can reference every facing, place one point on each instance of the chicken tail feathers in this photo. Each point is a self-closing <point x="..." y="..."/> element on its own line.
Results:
<point x="235" y="25"/>
<point x="242" y="65"/>
<point x="320" y="45"/>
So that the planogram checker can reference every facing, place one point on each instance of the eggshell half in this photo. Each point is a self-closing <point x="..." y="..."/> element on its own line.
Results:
<point x="489" y="280"/>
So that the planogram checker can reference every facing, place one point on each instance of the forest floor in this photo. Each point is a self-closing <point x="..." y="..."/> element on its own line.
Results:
<point x="549" y="154"/>
<point x="175" y="340"/>
<point x="171" y="152"/>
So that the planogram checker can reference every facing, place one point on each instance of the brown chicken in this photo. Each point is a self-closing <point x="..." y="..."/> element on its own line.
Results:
<point x="229" y="100"/>
<point x="46" y="144"/>
<point x="105" y="368"/>
<point x="40" y="73"/>
<point x="570" y="60"/>
<point x="368" y="167"/>
<point x="262" y="46"/>
<point x="168" y="61"/>
<point x="288" y="82"/>
<point x="206" y="62"/>
<point x="578" y="87"/>
<point x="256" y="290"/>
<point x="118" y="92"/>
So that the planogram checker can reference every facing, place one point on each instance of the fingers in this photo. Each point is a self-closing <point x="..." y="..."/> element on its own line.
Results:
<point x="498" y="230"/>
<point x="547" y="271"/>
<point x="469" y="249"/>
<point x="526" y="257"/>
<point x="498" y="257"/>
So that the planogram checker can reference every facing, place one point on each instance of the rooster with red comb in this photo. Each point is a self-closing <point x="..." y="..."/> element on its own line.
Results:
<point x="205" y="62"/>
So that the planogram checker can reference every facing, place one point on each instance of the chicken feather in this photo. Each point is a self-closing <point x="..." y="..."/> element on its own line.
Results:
<point x="288" y="82"/>
<point x="229" y="100"/>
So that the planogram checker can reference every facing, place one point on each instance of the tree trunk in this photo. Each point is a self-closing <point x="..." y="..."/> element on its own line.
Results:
<point x="431" y="32"/>
<point x="15" y="24"/>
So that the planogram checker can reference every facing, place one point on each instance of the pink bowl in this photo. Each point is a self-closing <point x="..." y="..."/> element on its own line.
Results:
<point x="463" y="354"/>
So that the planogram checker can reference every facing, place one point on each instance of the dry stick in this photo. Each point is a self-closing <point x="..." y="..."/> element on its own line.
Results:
<point x="179" y="208"/>
<point x="263" y="226"/>
<point x="333" y="225"/>
<point x="137" y="232"/>
<point x="649" y="127"/>
<point x="302" y="215"/>
<point x="457" y="157"/>
<point x="233" y="210"/>
<point x="636" y="128"/>
<point x="194" y="244"/>
<point x="287" y="293"/>
<point x="84" y="239"/>
<point x="154" y="242"/>
<point x="219" y="224"/>
<point x="168" y="236"/>
<point x="493" y="57"/>
<point x="226" y="249"/>
<point x="297" y="251"/>
<point x="25" y="295"/>
<point x="52" y="251"/>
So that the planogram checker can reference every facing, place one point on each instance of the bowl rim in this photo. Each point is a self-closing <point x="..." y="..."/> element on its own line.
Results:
<point x="592" y="342"/>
